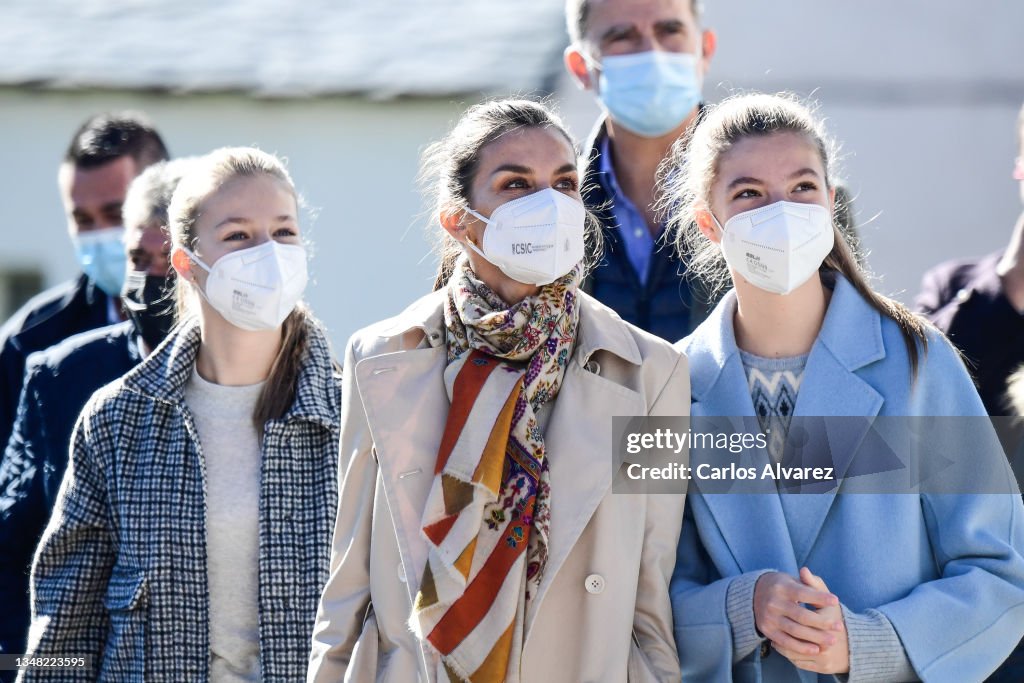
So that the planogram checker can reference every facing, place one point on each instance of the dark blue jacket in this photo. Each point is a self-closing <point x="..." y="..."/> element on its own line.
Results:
<point x="47" y="319"/>
<point x="58" y="383"/>
<point x="666" y="304"/>
<point x="964" y="298"/>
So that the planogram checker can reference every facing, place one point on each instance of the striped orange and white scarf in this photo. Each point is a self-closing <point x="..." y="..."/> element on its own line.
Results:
<point x="487" y="515"/>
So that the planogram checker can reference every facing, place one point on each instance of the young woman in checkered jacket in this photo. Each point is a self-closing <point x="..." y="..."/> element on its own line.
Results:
<point x="191" y="536"/>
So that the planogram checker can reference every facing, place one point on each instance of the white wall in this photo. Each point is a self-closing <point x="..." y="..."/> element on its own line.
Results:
<point x="923" y="95"/>
<point x="354" y="161"/>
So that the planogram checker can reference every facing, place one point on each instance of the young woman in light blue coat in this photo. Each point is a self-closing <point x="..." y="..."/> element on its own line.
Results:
<point x="872" y="587"/>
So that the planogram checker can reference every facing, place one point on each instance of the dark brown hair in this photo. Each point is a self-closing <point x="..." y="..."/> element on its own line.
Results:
<point x="109" y="136"/>
<point x="689" y="171"/>
<point x="449" y="166"/>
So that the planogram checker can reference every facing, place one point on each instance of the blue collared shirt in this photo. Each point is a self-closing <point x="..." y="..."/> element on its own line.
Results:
<point x="636" y="236"/>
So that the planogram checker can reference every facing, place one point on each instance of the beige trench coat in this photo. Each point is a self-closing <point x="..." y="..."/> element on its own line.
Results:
<point x="602" y="611"/>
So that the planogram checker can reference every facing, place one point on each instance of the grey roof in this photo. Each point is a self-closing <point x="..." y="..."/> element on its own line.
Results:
<point x="379" y="48"/>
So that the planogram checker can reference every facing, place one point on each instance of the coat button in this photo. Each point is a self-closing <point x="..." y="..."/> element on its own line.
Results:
<point x="401" y="572"/>
<point x="766" y="649"/>
<point x="594" y="584"/>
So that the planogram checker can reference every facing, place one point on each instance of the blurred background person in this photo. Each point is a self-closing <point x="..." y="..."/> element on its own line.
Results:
<point x="645" y="61"/>
<point x="60" y="380"/>
<point x="191" y="535"/>
<point x="979" y="304"/>
<point x="105" y="154"/>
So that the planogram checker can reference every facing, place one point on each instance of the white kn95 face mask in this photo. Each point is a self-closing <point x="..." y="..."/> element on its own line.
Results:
<point x="256" y="288"/>
<point x="534" y="239"/>
<point x="780" y="246"/>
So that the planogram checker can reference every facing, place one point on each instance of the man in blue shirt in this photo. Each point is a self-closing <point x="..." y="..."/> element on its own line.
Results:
<point x="645" y="61"/>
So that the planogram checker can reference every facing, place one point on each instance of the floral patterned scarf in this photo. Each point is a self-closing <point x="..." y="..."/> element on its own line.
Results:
<point x="487" y="515"/>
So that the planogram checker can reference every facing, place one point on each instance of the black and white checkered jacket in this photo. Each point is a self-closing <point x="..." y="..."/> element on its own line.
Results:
<point x="120" y="573"/>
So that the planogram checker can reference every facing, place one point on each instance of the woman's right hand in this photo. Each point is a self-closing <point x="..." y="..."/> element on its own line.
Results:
<point x="780" y="614"/>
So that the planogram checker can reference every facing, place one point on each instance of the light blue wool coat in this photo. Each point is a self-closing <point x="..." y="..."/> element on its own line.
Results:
<point x="946" y="570"/>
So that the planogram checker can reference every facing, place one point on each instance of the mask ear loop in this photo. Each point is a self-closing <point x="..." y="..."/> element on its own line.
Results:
<point x="195" y="259"/>
<point x="717" y="224"/>
<point x="470" y="242"/>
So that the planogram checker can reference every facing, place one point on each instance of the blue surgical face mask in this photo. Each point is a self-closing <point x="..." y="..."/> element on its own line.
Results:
<point x="650" y="93"/>
<point x="102" y="258"/>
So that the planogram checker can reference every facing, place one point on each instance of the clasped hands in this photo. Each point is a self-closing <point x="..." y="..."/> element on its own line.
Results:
<point x="813" y="639"/>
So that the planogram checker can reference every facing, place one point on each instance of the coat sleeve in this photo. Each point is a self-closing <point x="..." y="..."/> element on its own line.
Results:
<point x="711" y="639"/>
<point x="962" y="625"/>
<point x="12" y="371"/>
<point x="23" y="512"/>
<point x="345" y="600"/>
<point x="652" y="620"/>
<point x="72" y="569"/>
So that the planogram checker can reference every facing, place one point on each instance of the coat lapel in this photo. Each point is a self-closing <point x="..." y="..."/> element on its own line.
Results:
<point x="578" y="443"/>
<point x="406" y="405"/>
<point x="752" y="524"/>
<point x="850" y="338"/>
<point x="578" y="438"/>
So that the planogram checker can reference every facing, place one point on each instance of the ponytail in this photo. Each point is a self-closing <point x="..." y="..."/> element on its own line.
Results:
<point x="912" y="327"/>
<point x="279" y="390"/>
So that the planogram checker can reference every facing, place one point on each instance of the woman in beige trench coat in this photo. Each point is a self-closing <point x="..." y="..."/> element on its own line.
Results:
<point x="478" y="537"/>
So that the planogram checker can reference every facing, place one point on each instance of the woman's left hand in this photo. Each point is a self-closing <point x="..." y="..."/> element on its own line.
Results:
<point x="832" y="660"/>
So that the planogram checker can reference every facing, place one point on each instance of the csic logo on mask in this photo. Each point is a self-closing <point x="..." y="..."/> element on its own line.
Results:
<point x="523" y="236"/>
<point x="524" y="248"/>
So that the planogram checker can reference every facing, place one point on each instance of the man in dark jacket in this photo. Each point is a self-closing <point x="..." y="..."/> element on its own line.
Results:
<point x="646" y="63"/>
<point x="59" y="382"/>
<point x="968" y="300"/>
<point x="105" y="154"/>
